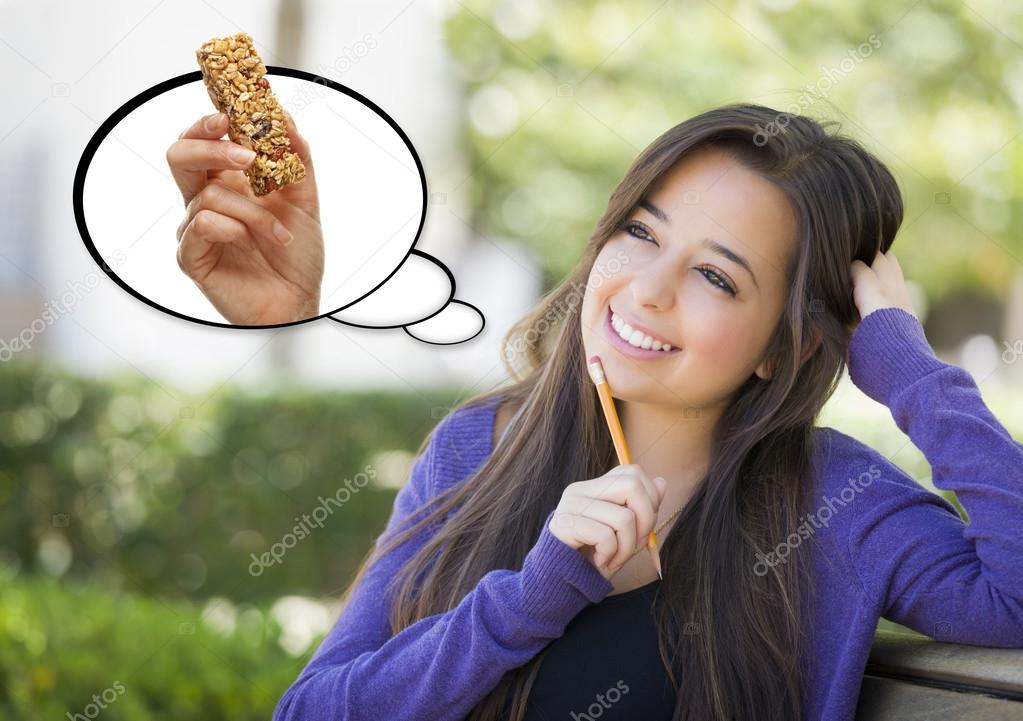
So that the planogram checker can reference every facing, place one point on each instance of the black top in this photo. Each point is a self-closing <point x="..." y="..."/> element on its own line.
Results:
<point x="606" y="665"/>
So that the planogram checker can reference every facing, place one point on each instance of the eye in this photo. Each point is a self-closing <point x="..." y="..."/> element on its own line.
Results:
<point x="631" y="229"/>
<point x="713" y="277"/>
<point x="637" y="230"/>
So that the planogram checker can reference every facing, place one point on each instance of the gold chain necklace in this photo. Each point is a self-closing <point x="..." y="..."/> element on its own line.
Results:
<point x="658" y="529"/>
<point x="673" y="515"/>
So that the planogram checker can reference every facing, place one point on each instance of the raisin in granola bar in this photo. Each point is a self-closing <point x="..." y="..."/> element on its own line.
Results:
<point x="235" y="80"/>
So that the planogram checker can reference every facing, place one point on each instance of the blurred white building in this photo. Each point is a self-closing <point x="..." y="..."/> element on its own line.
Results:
<point x="96" y="59"/>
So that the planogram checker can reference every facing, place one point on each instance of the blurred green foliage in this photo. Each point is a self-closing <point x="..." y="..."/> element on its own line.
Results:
<point x="149" y="515"/>
<point x="116" y="481"/>
<point x="150" y="492"/>
<point x="561" y="97"/>
<point x="84" y="651"/>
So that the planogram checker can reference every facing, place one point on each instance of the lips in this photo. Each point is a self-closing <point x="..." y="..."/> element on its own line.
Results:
<point x="642" y="328"/>
<point x="627" y="348"/>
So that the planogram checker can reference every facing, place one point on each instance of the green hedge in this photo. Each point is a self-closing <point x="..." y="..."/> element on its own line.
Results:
<point x="81" y="651"/>
<point x="149" y="489"/>
<point x="142" y="659"/>
<point x="154" y="490"/>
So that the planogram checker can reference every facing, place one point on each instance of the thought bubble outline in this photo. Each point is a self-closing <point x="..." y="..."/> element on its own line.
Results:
<point x="108" y="125"/>
<point x="421" y="254"/>
<point x="451" y="299"/>
<point x="483" y="325"/>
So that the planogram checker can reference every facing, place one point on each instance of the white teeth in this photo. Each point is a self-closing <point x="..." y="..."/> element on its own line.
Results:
<point x="636" y="337"/>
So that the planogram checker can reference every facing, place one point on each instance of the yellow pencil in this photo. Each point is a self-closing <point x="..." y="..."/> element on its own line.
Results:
<point x="596" y="369"/>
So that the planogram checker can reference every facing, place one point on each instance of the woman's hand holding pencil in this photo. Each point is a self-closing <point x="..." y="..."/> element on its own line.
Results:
<point x="607" y="404"/>
<point x="608" y="518"/>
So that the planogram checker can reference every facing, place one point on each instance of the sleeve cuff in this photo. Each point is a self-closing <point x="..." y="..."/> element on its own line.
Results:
<point x="887" y="352"/>
<point x="558" y="581"/>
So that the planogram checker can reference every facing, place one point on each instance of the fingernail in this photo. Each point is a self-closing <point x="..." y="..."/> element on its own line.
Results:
<point x="212" y="122"/>
<point x="282" y="233"/>
<point x="241" y="155"/>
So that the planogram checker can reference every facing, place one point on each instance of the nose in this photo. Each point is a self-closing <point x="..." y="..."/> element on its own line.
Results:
<point x="654" y="286"/>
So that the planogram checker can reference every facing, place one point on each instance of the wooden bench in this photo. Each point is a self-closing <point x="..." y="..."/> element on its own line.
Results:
<point x="910" y="676"/>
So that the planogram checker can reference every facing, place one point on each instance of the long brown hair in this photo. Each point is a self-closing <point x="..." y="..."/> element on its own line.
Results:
<point x="737" y="638"/>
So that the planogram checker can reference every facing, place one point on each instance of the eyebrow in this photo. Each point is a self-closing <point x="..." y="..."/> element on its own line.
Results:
<point x="710" y="243"/>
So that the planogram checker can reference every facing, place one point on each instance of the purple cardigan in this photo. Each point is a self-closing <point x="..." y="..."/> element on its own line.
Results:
<point x="881" y="544"/>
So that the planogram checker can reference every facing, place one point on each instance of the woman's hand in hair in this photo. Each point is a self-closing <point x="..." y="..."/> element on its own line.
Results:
<point x="608" y="518"/>
<point x="879" y="285"/>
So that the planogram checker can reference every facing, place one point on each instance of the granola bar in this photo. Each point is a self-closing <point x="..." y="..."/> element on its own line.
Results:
<point x="235" y="80"/>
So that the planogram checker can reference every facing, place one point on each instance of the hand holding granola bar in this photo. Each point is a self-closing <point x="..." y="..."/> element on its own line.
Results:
<point x="258" y="259"/>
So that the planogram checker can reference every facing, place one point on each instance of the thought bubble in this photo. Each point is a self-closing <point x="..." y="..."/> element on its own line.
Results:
<point x="372" y="197"/>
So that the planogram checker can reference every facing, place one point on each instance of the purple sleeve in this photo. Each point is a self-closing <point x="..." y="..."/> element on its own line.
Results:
<point x="444" y="664"/>
<point x="951" y="580"/>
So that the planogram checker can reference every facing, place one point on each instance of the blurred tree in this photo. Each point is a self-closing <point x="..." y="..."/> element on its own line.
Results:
<point x="560" y="97"/>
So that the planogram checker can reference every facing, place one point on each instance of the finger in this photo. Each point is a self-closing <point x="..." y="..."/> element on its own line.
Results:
<point x="593" y="533"/>
<point x="299" y="143"/>
<point x="865" y="280"/>
<point x="620" y="518"/>
<point x="629" y="485"/>
<point x="262" y="224"/>
<point x="189" y="175"/>
<point x="891" y="269"/>
<point x="858" y="269"/>
<point x="206" y="228"/>
<point x="201" y="155"/>
<point x="647" y="491"/>
<point x="208" y="127"/>
<point x="648" y="484"/>
<point x="647" y="520"/>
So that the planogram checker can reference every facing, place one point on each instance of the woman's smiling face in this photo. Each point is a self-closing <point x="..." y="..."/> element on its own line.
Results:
<point x="698" y="265"/>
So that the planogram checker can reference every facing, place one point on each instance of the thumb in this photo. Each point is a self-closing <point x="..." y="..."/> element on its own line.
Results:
<point x="299" y="144"/>
<point x="661" y="485"/>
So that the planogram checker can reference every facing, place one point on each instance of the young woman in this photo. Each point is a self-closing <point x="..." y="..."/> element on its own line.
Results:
<point x="742" y="263"/>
